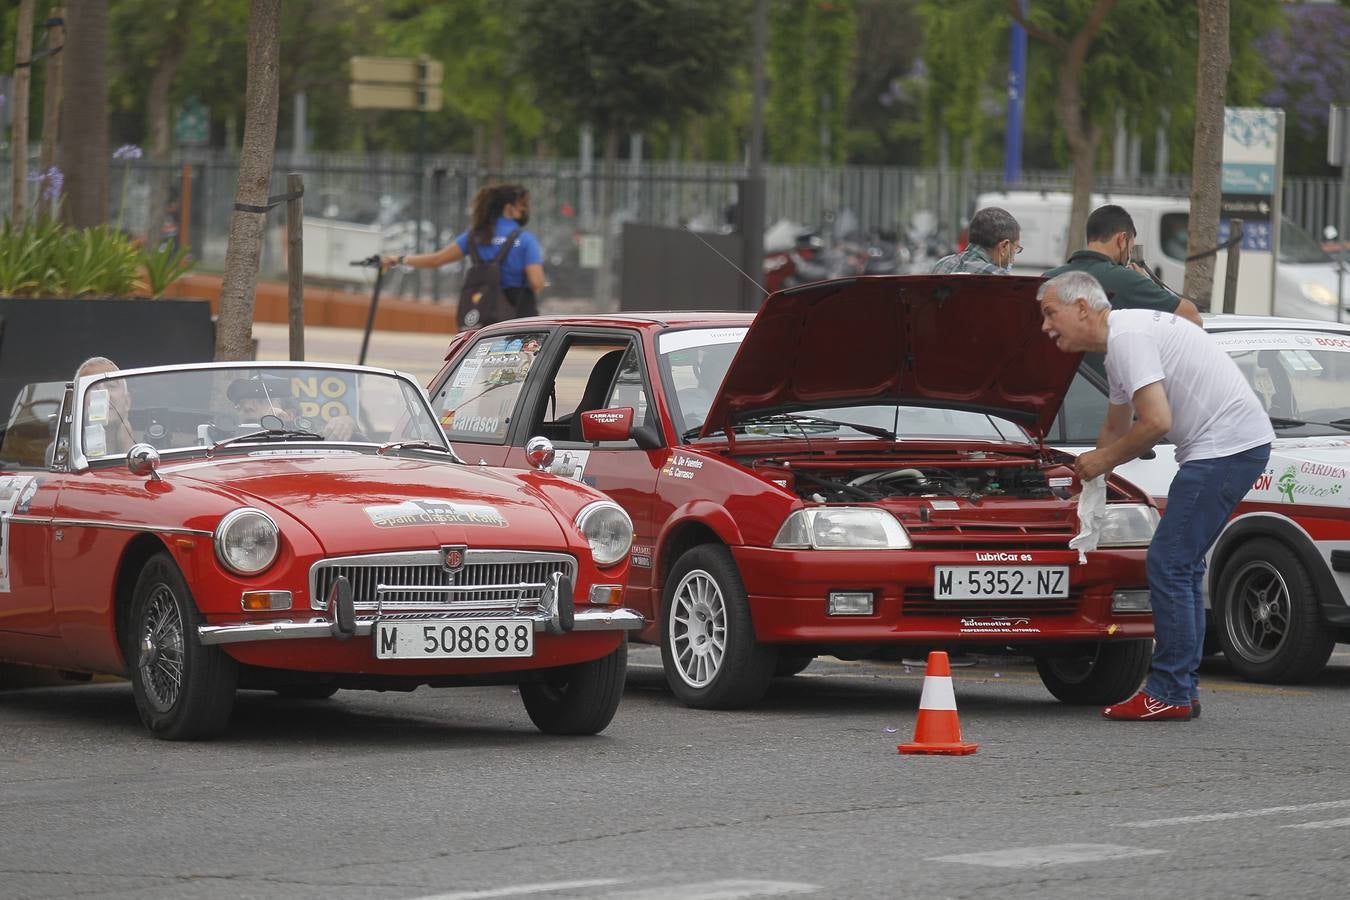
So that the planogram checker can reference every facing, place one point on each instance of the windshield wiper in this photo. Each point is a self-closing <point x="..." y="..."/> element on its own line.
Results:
<point x="798" y="419"/>
<point x="1280" y="424"/>
<point x="266" y="434"/>
<point x="419" y="444"/>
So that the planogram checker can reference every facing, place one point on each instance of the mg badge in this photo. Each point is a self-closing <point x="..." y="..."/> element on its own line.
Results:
<point x="452" y="558"/>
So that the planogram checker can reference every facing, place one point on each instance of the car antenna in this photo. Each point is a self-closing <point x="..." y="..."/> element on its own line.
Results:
<point x="728" y="262"/>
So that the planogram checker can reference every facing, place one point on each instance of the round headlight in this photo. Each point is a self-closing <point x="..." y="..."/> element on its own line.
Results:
<point x="608" y="530"/>
<point x="247" y="541"/>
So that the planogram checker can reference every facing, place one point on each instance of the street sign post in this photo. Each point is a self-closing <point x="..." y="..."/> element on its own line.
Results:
<point x="1338" y="154"/>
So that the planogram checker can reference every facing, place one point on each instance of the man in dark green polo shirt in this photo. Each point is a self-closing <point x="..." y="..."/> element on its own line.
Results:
<point x="1110" y="238"/>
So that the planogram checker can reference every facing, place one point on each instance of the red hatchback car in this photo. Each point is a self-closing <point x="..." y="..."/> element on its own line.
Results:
<point x="298" y="528"/>
<point x="857" y="470"/>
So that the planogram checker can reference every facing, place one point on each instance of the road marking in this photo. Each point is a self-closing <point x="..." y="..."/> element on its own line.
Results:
<point x="1051" y="855"/>
<point x="521" y="890"/>
<point x="1238" y="814"/>
<point x="1329" y="823"/>
<point x="731" y="889"/>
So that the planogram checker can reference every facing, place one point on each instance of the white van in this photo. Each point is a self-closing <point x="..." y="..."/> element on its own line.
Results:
<point x="1305" y="274"/>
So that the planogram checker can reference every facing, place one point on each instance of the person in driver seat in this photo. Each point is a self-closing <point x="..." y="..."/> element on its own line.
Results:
<point x="268" y="395"/>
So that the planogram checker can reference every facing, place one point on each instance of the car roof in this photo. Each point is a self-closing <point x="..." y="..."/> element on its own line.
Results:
<point x="1228" y="322"/>
<point x="656" y="319"/>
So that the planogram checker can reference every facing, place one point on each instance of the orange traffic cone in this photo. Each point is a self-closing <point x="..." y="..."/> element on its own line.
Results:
<point x="937" y="729"/>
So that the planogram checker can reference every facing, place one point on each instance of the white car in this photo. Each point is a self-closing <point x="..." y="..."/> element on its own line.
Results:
<point x="1278" y="584"/>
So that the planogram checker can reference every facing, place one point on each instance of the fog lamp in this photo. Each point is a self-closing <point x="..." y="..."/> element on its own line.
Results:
<point x="262" y="600"/>
<point x="606" y="594"/>
<point x="1130" y="601"/>
<point x="850" y="603"/>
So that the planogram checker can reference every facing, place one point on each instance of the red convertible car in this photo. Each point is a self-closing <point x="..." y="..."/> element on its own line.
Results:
<point x="298" y="528"/>
<point x="857" y="470"/>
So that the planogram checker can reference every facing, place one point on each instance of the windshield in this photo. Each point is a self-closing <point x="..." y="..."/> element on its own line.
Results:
<point x="186" y="408"/>
<point x="1301" y="377"/>
<point x="694" y="361"/>
<point x="1297" y="246"/>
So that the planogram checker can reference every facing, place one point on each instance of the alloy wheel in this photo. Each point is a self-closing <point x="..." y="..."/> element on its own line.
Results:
<point x="698" y="628"/>
<point x="1258" y="619"/>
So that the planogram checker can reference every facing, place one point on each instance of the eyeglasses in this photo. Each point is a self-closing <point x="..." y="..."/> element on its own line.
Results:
<point x="1018" y="251"/>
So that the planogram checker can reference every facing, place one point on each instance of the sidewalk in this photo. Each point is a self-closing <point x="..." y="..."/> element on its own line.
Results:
<point x="417" y="353"/>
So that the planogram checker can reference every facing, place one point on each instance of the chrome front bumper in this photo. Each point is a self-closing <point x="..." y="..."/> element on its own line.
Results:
<point x="556" y="614"/>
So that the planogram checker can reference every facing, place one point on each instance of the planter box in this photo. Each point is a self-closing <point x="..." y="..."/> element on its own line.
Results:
<point x="46" y="339"/>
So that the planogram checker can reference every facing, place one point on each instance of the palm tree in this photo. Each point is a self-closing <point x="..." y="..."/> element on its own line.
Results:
<point x="84" y="114"/>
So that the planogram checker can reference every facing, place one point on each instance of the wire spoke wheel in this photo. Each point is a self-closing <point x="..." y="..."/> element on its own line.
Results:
<point x="161" y="660"/>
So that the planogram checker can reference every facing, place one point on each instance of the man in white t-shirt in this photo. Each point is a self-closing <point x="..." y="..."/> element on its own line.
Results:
<point x="1166" y="377"/>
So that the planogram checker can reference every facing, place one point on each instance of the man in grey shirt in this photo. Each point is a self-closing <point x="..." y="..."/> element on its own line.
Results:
<point x="994" y="242"/>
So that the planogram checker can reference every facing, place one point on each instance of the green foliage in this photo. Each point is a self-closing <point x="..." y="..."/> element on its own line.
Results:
<point x="163" y="266"/>
<point x="812" y="44"/>
<point x="628" y="65"/>
<point x="45" y="258"/>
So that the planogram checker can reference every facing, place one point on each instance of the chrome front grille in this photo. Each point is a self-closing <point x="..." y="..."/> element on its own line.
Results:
<point x="397" y="582"/>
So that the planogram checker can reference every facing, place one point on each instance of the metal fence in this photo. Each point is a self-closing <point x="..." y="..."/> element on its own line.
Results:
<point x="396" y="203"/>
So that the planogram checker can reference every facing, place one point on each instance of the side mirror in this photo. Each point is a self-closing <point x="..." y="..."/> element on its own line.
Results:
<point x="143" y="459"/>
<point x="607" y="424"/>
<point x="538" y="452"/>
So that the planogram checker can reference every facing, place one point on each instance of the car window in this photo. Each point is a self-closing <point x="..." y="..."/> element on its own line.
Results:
<point x="1301" y="377"/>
<point x="479" y="398"/>
<point x="1083" y="412"/>
<point x="693" y="362"/>
<point x="31" y="429"/>
<point x="1297" y="246"/>
<point x="1174" y="234"/>
<point x="628" y="389"/>
<point x="587" y="376"/>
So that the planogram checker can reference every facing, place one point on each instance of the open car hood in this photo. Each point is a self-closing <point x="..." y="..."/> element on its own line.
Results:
<point x="959" y="341"/>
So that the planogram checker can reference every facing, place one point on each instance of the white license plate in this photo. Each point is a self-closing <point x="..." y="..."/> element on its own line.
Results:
<point x="454" y="639"/>
<point x="1000" y="582"/>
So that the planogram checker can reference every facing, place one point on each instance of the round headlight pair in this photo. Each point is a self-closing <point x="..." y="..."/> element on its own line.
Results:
<point x="247" y="541"/>
<point x="608" y="530"/>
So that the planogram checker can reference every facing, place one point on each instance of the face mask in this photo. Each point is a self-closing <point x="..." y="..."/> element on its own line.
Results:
<point x="523" y="219"/>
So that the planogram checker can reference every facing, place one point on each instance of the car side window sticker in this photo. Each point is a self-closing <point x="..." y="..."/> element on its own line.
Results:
<point x="479" y="399"/>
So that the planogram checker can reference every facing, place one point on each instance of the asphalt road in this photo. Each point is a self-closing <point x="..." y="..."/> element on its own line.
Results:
<point x="452" y="794"/>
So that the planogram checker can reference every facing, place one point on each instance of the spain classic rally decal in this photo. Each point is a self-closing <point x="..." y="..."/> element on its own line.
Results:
<point x="16" y="493"/>
<point x="434" y="512"/>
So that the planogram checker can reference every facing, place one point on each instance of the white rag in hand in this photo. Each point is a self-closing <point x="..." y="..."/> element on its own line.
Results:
<point x="1091" y="513"/>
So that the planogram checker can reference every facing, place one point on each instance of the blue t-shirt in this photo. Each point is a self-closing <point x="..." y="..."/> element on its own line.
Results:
<point x="525" y="252"/>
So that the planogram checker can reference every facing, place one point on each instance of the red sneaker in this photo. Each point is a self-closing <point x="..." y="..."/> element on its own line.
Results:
<point x="1141" y="707"/>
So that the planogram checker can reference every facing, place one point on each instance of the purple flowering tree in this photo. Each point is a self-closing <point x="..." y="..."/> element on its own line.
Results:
<point x="1311" y="67"/>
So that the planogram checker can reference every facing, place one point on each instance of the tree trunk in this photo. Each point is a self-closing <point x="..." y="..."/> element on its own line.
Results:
<point x="234" y="328"/>
<point x="1211" y="79"/>
<point x="604" y="291"/>
<point x="497" y="148"/>
<point x="158" y="114"/>
<point x="23" y="77"/>
<point x="51" y="103"/>
<point x="84" y="114"/>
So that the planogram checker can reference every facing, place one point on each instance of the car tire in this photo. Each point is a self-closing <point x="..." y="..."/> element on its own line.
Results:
<point x="1270" y="627"/>
<point x="580" y="699"/>
<point x="184" y="690"/>
<point x="1109" y="675"/>
<point x="704" y="600"/>
<point x="790" y="664"/>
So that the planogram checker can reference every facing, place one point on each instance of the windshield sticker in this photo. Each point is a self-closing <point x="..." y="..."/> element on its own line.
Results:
<point x="1281" y="340"/>
<point x="95" y="441"/>
<point x="97" y="409"/>
<point x="998" y="625"/>
<point x="326" y="396"/>
<point x="570" y="464"/>
<point x="698" y="337"/>
<point x="434" y="512"/>
<point x="15" y="491"/>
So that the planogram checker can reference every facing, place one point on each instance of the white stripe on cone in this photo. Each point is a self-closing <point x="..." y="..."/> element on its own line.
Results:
<point x="938" y="693"/>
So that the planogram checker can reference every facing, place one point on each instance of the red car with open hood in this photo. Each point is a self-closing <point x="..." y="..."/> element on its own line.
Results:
<point x="857" y="470"/>
<point x="298" y="528"/>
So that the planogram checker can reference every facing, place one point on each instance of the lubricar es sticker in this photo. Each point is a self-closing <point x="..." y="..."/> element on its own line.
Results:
<point x="434" y="512"/>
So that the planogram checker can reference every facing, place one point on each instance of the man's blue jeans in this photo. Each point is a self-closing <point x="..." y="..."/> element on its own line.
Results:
<point x="1203" y="495"/>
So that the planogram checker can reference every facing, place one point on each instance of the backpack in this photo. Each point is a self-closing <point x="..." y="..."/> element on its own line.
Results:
<point x="482" y="300"/>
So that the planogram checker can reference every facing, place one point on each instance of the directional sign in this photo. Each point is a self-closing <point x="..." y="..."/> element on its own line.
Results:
<point x="396" y="70"/>
<point x="395" y="96"/>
